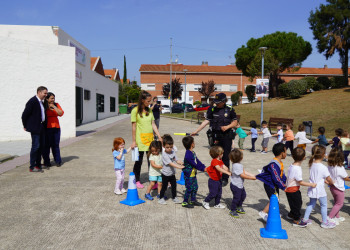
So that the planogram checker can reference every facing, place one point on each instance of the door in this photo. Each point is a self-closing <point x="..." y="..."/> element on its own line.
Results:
<point x="78" y="106"/>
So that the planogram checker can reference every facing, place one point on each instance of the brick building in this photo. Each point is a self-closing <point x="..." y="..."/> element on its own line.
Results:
<point x="228" y="78"/>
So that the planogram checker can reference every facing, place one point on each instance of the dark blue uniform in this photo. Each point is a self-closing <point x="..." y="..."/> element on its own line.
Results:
<point x="219" y="117"/>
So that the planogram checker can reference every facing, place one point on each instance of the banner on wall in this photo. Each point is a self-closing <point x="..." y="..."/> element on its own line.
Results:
<point x="80" y="55"/>
<point x="262" y="88"/>
<point x="78" y="75"/>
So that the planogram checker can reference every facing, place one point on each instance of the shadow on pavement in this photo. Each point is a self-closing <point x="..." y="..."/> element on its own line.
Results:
<point x="80" y="133"/>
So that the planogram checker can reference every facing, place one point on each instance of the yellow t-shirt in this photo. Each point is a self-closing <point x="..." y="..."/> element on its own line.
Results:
<point x="144" y="130"/>
<point x="345" y="141"/>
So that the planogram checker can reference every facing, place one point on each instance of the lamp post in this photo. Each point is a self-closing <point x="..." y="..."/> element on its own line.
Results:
<point x="262" y="49"/>
<point x="185" y="70"/>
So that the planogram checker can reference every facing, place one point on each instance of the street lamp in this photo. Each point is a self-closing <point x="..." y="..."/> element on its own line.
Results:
<point x="262" y="49"/>
<point x="185" y="70"/>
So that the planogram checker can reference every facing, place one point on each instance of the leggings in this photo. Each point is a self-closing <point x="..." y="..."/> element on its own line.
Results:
<point x="138" y="164"/>
<point x="338" y="196"/>
<point x="253" y="143"/>
<point x="312" y="203"/>
<point x="119" y="173"/>
<point x="290" y="145"/>
<point x="165" y="181"/>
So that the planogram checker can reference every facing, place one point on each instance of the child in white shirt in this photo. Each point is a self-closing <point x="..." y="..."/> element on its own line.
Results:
<point x="301" y="135"/>
<point x="266" y="136"/>
<point x="279" y="133"/>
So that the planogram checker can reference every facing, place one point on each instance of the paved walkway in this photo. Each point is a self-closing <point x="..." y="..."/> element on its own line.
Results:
<point x="74" y="207"/>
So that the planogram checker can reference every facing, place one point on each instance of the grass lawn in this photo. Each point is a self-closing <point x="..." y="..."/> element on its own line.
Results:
<point x="327" y="108"/>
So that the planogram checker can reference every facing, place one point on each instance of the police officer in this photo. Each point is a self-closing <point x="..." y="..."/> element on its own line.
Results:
<point x="222" y="119"/>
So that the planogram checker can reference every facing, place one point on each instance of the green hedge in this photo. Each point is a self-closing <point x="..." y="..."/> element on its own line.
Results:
<point x="338" y="82"/>
<point x="324" y="81"/>
<point x="293" y="88"/>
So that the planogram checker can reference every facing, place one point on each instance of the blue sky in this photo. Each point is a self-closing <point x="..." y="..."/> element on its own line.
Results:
<point x="141" y="29"/>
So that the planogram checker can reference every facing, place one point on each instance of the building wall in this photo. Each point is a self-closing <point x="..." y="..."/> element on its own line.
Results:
<point x="25" y="65"/>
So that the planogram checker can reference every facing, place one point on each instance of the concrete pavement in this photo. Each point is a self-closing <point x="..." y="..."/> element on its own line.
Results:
<point x="74" y="207"/>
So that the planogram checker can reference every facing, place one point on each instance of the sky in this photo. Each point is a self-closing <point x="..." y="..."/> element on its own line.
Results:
<point x="206" y="30"/>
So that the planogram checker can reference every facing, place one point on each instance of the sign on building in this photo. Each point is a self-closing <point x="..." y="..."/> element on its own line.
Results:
<point x="80" y="55"/>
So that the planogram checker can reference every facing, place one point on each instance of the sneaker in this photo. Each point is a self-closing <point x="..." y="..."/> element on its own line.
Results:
<point x="333" y="220"/>
<point x="158" y="196"/>
<point x="224" y="182"/>
<point x="240" y="210"/>
<point x="264" y="152"/>
<point x="253" y="151"/>
<point x="234" y="214"/>
<point x="118" y="192"/>
<point x="328" y="224"/>
<point x="36" y="170"/>
<point x="59" y="164"/>
<point x="196" y="203"/>
<point x="176" y="200"/>
<point x="309" y="222"/>
<point x="206" y="205"/>
<point x="263" y="215"/>
<point x="149" y="197"/>
<point x="188" y="205"/>
<point x="155" y="186"/>
<point x="162" y="201"/>
<point x="123" y="191"/>
<point x="46" y="167"/>
<point x="219" y="206"/>
<point x="299" y="223"/>
<point x="139" y="185"/>
<point x="340" y="219"/>
<point x="289" y="218"/>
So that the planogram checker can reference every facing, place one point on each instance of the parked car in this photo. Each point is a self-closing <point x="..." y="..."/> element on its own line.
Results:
<point x="189" y="107"/>
<point x="177" y="108"/>
<point x="166" y="109"/>
<point x="203" y="106"/>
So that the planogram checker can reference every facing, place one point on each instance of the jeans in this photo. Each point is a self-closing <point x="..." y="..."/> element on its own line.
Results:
<point x="52" y="141"/>
<point x="38" y="141"/>
<point x="312" y="203"/>
<point x="253" y="143"/>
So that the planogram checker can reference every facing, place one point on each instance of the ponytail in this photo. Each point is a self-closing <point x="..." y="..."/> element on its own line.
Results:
<point x="318" y="153"/>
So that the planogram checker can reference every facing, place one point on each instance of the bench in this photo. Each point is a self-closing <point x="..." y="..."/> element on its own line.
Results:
<point x="198" y="116"/>
<point x="274" y="121"/>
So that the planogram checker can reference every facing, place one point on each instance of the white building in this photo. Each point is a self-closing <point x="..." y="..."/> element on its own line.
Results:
<point x="31" y="56"/>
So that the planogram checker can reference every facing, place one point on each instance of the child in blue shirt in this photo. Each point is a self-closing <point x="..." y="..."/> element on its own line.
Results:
<point x="119" y="163"/>
<point x="241" y="134"/>
<point x="254" y="133"/>
<point x="321" y="139"/>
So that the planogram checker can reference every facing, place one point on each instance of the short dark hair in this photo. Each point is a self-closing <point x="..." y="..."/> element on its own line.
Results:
<point x="321" y="130"/>
<point x="278" y="149"/>
<point x="187" y="142"/>
<point x="253" y="124"/>
<point x="301" y="127"/>
<point x="40" y="88"/>
<point x="167" y="140"/>
<point x="264" y="122"/>
<point x="236" y="155"/>
<point x="298" y="154"/>
<point x="339" y="131"/>
<point x="215" y="151"/>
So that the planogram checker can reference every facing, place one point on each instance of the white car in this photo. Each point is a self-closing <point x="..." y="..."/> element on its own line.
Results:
<point x="165" y="109"/>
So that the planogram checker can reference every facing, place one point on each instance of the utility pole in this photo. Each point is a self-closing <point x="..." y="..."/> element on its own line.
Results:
<point x="171" y="88"/>
<point x="262" y="49"/>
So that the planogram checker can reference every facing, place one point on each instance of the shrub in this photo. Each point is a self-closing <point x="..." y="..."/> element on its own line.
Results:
<point x="310" y="82"/>
<point x="338" y="82"/>
<point x="282" y="88"/>
<point x="293" y="89"/>
<point x="197" y="103"/>
<point x="318" y="86"/>
<point x="122" y="99"/>
<point x="324" y="81"/>
<point x="250" y="91"/>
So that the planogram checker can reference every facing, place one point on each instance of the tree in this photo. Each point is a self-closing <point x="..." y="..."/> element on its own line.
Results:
<point x="176" y="89"/>
<point x="235" y="98"/>
<point x="125" y="78"/>
<point x="286" y="51"/>
<point x="330" y="25"/>
<point x="129" y="92"/>
<point x="250" y="91"/>
<point x="207" y="89"/>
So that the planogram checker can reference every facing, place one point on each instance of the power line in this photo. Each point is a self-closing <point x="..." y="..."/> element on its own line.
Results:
<point x="154" y="47"/>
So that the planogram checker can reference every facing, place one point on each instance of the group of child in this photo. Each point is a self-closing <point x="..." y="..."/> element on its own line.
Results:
<point x="163" y="162"/>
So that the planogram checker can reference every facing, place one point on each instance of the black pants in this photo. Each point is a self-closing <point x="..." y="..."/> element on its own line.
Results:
<point x="138" y="164"/>
<point x="239" y="196"/>
<point x="225" y="141"/>
<point x="290" y="145"/>
<point x="295" y="202"/>
<point x="253" y="143"/>
<point x="165" y="181"/>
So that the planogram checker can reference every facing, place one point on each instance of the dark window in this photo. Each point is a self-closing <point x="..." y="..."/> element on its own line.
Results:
<point x="100" y="99"/>
<point x="87" y="94"/>
<point x="112" y="104"/>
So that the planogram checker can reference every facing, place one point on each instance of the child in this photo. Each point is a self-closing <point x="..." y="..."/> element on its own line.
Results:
<point x="241" y="134"/>
<point x="254" y="133"/>
<point x="321" y="139"/>
<point x="318" y="174"/>
<point x="170" y="162"/>
<point x="155" y="176"/>
<point x="338" y="175"/>
<point x="336" y="139"/>
<point x="215" y="171"/>
<point x="289" y="137"/>
<point x="273" y="176"/>
<point x="301" y="135"/>
<point x="119" y="163"/>
<point x="236" y="185"/>
<point x="192" y="164"/>
<point x="294" y="181"/>
<point x="345" y="144"/>
<point x="279" y="133"/>
<point x="266" y="136"/>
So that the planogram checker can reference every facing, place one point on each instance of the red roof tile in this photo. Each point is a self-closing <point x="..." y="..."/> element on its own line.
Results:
<point x="114" y="73"/>
<point x="92" y="62"/>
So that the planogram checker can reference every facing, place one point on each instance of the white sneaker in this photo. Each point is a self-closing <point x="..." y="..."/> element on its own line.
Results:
<point x="123" y="190"/>
<point x="333" y="220"/>
<point x="206" y="205"/>
<point x="263" y="215"/>
<point x="340" y="219"/>
<point x="219" y="206"/>
<point x="162" y="201"/>
<point x="176" y="200"/>
<point x="118" y="192"/>
<point x="328" y="224"/>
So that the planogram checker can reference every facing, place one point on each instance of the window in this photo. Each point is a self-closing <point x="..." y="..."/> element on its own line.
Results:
<point x="112" y="104"/>
<point x="218" y="87"/>
<point x="197" y="86"/>
<point x="151" y="87"/>
<point x="87" y="94"/>
<point x="100" y="101"/>
<point x="233" y="88"/>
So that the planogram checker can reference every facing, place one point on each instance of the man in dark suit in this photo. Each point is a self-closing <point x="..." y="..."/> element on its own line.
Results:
<point x="261" y="89"/>
<point x="33" y="119"/>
